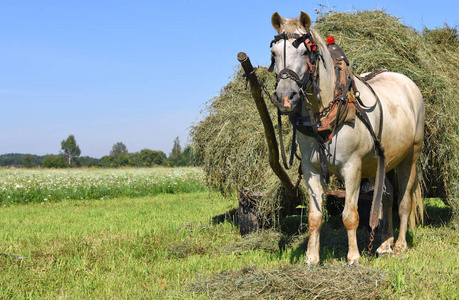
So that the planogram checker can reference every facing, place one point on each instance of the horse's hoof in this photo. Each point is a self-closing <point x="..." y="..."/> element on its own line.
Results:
<point x="312" y="260"/>
<point x="353" y="258"/>
<point x="400" y="248"/>
<point x="384" y="251"/>
<point x="354" y="262"/>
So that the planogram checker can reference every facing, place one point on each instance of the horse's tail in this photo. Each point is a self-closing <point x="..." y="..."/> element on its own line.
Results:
<point x="417" y="205"/>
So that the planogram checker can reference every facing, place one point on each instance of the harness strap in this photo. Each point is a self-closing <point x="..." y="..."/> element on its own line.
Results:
<point x="381" y="167"/>
<point x="293" y="148"/>
<point x="342" y="101"/>
<point x="319" y="139"/>
<point x="281" y="142"/>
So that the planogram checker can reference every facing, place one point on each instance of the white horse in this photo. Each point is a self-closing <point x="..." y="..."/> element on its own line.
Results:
<point x="352" y="147"/>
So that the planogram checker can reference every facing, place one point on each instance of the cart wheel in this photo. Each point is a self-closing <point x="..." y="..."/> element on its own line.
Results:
<point x="247" y="212"/>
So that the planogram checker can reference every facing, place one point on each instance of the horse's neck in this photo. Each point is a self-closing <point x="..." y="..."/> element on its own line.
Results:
<point x="326" y="80"/>
<point x="327" y="76"/>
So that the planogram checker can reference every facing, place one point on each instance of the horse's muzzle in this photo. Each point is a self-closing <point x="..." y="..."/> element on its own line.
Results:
<point x="286" y="100"/>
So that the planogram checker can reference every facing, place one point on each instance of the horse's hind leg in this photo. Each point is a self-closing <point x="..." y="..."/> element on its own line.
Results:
<point x="387" y="224"/>
<point x="409" y="191"/>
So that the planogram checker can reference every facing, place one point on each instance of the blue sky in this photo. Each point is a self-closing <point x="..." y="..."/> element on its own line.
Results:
<point x="138" y="72"/>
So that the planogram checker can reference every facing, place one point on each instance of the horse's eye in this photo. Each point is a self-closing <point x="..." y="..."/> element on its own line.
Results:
<point x="273" y="54"/>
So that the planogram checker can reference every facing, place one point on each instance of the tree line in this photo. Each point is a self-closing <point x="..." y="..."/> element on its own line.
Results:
<point x="70" y="157"/>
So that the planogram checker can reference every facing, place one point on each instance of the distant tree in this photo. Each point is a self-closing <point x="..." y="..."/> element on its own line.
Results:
<point x="27" y="161"/>
<point x="188" y="158"/>
<point x="122" y="160"/>
<point x="118" y="156"/>
<point x="108" y="161"/>
<point x="176" y="153"/>
<point x="48" y="162"/>
<point x="88" y="161"/>
<point x="148" y="158"/>
<point x="70" y="148"/>
<point x="159" y="157"/>
<point x="143" y="158"/>
<point x="139" y="159"/>
<point x="118" y="148"/>
<point x="11" y="159"/>
<point x="54" y="161"/>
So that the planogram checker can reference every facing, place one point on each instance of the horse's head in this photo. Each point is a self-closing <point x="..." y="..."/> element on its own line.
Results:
<point x="293" y="55"/>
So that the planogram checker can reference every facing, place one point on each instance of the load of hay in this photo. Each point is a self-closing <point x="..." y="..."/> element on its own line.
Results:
<point x="230" y="140"/>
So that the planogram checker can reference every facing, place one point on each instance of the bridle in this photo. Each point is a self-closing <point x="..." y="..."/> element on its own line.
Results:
<point x="312" y="57"/>
<point x="308" y="81"/>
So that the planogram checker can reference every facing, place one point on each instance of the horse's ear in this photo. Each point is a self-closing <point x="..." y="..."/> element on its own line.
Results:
<point x="277" y="21"/>
<point x="305" y="20"/>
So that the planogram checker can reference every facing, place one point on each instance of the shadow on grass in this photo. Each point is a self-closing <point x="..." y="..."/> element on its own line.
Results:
<point x="333" y="235"/>
<point x="229" y="216"/>
<point x="437" y="213"/>
<point x="333" y="243"/>
<point x="293" y="232"/>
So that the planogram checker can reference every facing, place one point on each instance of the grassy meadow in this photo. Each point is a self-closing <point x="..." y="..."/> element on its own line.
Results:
<point x="162" y="234"/>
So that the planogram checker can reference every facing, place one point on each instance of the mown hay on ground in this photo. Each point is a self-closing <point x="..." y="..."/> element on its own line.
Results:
<point x="295" y="282"/>
<point x="230" y="140"/>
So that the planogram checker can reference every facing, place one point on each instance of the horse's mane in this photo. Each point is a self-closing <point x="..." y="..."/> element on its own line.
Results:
<point x="317" y="39"/>
<point x="292" y="26"/>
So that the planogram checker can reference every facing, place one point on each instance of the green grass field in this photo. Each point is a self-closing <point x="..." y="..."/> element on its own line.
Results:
<point x="169" y="245"/>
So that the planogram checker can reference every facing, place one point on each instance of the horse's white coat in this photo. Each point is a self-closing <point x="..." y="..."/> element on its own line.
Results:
<point x="352" y="147"/>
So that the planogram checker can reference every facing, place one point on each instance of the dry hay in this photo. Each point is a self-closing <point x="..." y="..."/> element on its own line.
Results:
<point x="231" y="144"/>
<point x="295" y="282"/>
<point x="266" y="240"/>
<point x="230" y="140"/>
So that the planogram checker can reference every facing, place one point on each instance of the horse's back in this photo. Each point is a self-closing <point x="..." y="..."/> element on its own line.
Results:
<point x="403" y="115"/>
<point x="398" y="89"/>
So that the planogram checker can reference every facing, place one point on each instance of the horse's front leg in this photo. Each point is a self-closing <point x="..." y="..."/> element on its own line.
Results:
<point x="352" y="176"/>
<point x="313" y="182"/>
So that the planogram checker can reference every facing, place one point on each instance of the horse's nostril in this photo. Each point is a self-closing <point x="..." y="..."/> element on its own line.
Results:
<point x="292" y="95"/>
